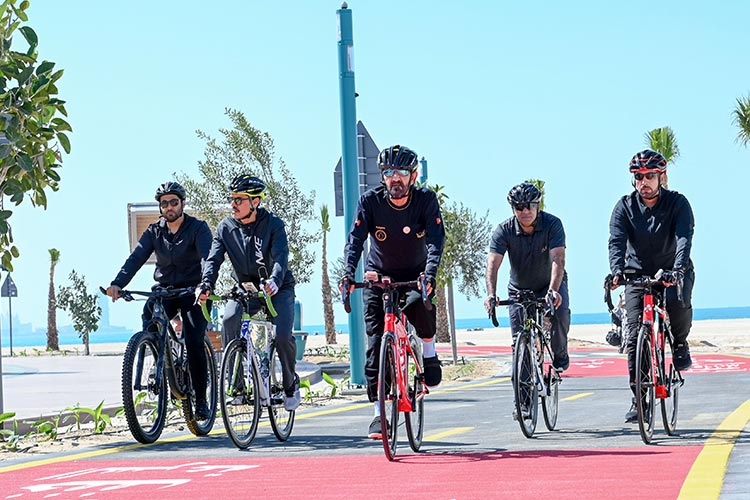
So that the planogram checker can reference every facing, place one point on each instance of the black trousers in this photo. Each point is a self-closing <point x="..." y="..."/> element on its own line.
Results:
<point x="423" y="321"/>
<point x="193" y="330"/>
<point x="680" y="317"/>
<point x="283" y="302"/>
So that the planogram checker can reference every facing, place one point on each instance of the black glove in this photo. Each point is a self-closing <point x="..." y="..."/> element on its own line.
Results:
<point x="674" y="277"/>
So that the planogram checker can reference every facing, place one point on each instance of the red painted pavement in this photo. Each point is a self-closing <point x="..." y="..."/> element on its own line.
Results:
<point x="622" y="473"/>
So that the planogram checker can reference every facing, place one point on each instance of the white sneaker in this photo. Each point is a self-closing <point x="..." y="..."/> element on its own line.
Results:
<point x="292" y="402"/>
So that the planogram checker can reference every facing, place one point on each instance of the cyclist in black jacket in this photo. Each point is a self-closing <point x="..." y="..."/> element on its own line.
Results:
<point x="406" y="234"/>
<point x="256" y="241"/>
<point x="181" y="244"/>
<point x="652" y="229"/>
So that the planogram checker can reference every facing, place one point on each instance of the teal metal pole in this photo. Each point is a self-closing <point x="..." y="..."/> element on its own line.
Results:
<point x="423" y="177"/>
<point x="350" y="180"/>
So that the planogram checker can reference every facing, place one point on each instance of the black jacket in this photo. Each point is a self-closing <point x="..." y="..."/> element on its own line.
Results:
<point x="404" y="241"/>
<point x="262" y="243"/>
<point x="179" y="256"/>
<point x="648" y="239"/>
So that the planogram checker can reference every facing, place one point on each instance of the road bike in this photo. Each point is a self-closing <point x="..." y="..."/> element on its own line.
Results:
<point x="251" y="374"/>
<point x="656" y="377"/>
<point x="154" y="359"/>
<point x="401" y="386"/>
<point x="533" y="375"/>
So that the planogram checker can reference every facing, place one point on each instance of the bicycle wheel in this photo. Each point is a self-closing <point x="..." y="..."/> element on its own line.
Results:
<point x="238" y="394"/>
<point x="415" y="380"/>
<point x="524" y="384"/>
<point x="203" y="427"/>
<point x="388" y="394"/>
<point x="670" y="404"/>
<point x="282" y="420"/>
<point x="144" y="402"/>
<point x="644" y="384"/>
<point x="550" y="401"/>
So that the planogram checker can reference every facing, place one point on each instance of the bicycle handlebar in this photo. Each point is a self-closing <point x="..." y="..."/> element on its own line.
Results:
<point x="386" y="284"/>
<point x="159" y="292"/>
<point x="240" y="295"/>
<point x="639" y="282"/>
<point x="523" y="297"/>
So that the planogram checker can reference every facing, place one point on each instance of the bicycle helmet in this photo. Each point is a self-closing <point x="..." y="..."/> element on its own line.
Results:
<point x="249" y="185"/>
<point x="170" y="187"/>
<point x="398" y="157"/>
<point x="524" y="193"/>
<point x="646" y="161"/>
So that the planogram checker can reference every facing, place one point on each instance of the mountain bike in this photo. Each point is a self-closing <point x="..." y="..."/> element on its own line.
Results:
<point x="251" y="375"/>
<point x="655" y="377"/>
<point x="533" y="375"/>
<point x="157" y="357"/>
<point x="401" y="385"/>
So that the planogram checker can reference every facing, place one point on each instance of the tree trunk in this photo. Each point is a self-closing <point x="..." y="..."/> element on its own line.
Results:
<point x="86" y="350"/>
<point x="330" y="322"/>
<point x="53" y="341"/>
<point x="443" y="332"/>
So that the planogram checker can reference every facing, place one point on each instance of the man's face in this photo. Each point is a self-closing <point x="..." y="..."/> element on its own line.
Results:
<point x="397" y="181"/>
<point x="647" y="184"/>
<point x="526" y="213"/>
<point x="171" y="207"/>
<point x="241" y="205"/>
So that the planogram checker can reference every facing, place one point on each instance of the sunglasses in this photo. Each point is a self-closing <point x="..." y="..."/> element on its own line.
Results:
<point x="170" y="203"/>
<point x="648" y="175"/>
<point x="520" y="207"/>
<point x="402" y="172"/>
<point x="237" y="200"/>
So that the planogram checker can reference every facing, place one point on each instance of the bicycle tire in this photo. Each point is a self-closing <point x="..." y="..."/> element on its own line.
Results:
<point x="282" y="421"/>
<point x="238" y="394"/>
<point x="144" y="402"/>
<point x="415" y="418"/>
<point x="203" y="427"/>
<point x="551" y="401"/>
<point x="525" y="389"/>
<point x="670" y="405"/>
<point x="388" y="394"/>
<point x="644" y="384"/>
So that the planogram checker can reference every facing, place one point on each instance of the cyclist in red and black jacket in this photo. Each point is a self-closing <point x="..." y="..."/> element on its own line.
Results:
<point x="652" y="229"/>
<point x="406" y="234"/>
<point x="181" y="244"/>
<point x="255" y="241"/>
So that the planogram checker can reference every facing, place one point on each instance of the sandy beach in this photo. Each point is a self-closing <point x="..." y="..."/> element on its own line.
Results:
<point x="705" y="336"/>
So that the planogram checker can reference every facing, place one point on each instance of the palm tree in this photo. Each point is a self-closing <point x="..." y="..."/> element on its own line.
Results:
<point x="664" y="141"/>
<point x="330" y="323"/>
<point x="53" y="342"/>
<point x="742" y="119"/>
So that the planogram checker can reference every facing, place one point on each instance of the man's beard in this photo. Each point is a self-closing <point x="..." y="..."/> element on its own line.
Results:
<point x="175" y="216"/>
<point x="398" y="191"/>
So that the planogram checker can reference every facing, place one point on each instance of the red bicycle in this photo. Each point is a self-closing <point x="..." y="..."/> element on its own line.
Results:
<point x="401" y="385"/>
<point x="655" y="378"/>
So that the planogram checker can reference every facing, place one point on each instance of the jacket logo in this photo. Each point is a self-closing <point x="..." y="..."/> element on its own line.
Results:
<point x="258" y="251"/>
<point x="421" y="234"/>
<point x="380" y="233"/>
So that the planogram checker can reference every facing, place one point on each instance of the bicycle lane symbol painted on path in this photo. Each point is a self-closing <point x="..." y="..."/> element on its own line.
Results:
<point x="719" y="363"/>
<point x="137" y="480"/>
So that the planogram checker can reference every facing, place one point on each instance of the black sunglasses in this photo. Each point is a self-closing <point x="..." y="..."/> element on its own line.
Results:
<point x="237" y="200"/>
<point x="519" y="207"/>
<point x="648" y="175"/>
<point x="169" y="203"/>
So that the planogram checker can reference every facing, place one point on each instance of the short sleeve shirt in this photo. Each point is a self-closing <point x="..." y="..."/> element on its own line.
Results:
<point x="529" y="254"/>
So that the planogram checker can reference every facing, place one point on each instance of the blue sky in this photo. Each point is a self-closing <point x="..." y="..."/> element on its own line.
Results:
<point x="489" y="92"/>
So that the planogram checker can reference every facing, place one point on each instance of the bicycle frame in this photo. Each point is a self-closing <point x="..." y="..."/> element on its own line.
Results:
<point x="259" y="355"/>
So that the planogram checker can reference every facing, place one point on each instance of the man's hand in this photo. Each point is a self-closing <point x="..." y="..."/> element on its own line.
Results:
<point x="114" y="292"/>
<point x="270" y="287"/>
<point x="489" y="303"/>
<point x="202" y="292"/>
<point x="430" y="286"/>
<point x="615" y="280"/>
<point x="346" y="281"/>
<point x="671" y="278"/>
<point x="557" y="298"/>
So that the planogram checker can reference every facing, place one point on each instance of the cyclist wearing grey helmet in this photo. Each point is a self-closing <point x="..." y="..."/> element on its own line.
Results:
<point x="535" y="243"/>
<point x="181" y="244"/>
<point x="651" y="229"/>
<point x="255" y="241"/>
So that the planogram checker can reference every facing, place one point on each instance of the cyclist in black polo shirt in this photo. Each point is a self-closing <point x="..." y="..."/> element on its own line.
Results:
<point x="181" y="243"/>
<point x="652" y="229"/>
<point x="406" y="233"/>
<point x="535" y="243"/>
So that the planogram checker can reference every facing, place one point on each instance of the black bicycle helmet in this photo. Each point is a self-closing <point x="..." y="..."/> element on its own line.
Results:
<point x="398" y="157"/>
<point x="249" y="185"/>
<point x="524" y="193"/>
<point x="647" y="160"/>
<point x="170" y="187"/>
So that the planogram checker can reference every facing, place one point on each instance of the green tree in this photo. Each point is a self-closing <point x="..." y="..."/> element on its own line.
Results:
<point x="82" y="307"/>
<point x="330" y="323"/>
<point x="247" y="150"/>
<point x="663" y="140"/>
<point x="52" y="337"/>
<point x="741" y="118"/>
<point x="32" y="130"/>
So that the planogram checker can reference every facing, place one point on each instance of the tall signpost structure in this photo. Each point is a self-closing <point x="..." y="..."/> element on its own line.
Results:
<point x="350" y="180"/>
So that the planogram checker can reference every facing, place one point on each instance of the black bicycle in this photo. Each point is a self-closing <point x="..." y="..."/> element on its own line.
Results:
<point x="155" y="358"/>
<point x="533" y="374"/>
